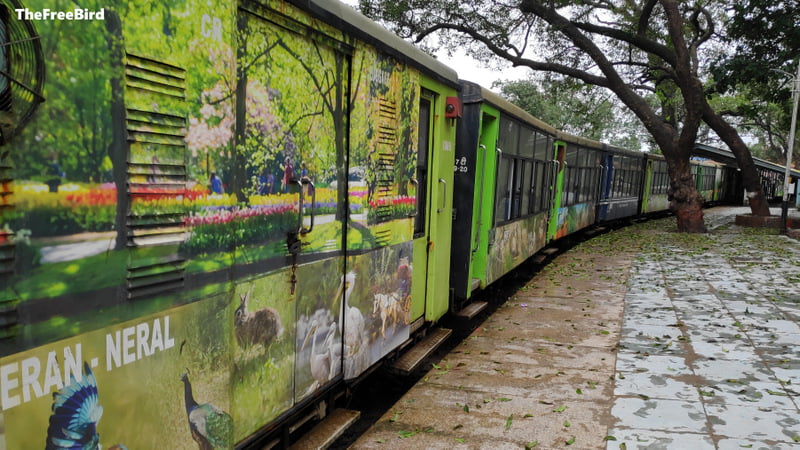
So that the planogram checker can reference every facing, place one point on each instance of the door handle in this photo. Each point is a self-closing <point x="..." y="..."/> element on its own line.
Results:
<point x="415" y="182"/>
<point x="444" y="196"/>
<point x="313" y="190"/>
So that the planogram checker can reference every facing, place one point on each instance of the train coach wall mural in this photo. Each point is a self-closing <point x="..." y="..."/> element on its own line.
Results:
<point x="215" y="217"/>
<point x="211" y="216"/>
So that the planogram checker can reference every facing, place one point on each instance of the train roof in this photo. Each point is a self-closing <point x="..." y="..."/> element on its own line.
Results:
<point x="356" y="24"/>
<point x="474" y="93"/>
<point x="727" y="157"/>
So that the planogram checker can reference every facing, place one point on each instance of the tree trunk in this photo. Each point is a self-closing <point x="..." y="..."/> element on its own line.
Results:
<point x="684" y="200"/>
<point x="340" y="123"/>
<point x="118" y="149"/>
<point x="750" y="179"/>
<point x="238" y="175"/>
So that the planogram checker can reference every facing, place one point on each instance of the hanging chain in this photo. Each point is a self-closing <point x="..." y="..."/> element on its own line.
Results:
<point x="293" y="279"/>
<point x="293" y="245"/>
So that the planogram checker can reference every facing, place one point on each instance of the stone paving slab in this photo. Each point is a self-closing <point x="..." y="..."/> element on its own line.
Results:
<point x="720" y="384"/>
<point x="637" y="339"/>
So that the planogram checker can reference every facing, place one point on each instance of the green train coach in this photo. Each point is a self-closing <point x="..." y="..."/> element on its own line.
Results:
<point x="521" y="185"/>
<point x="216" y="217"/>
<point x="218" y="211"/>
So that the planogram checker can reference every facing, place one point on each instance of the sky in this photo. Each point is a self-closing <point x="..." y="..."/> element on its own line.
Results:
<point x="469" y="69"/>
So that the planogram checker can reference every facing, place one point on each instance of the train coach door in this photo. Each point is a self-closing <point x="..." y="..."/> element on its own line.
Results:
<point x="292" y="118"/>
<point x="556" y="186"/>
<point x="422" y="223"/>
<point x="485" y="166"/>
<point x="605" y="187"/>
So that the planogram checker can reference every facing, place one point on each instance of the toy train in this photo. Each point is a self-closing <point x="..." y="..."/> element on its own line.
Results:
<point x="215" y="216"/>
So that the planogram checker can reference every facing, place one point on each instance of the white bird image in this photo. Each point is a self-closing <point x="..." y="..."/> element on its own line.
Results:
<point x="321" y="363"/>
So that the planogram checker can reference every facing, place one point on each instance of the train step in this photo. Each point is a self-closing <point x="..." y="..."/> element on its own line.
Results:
<point x="326" y="432"/>
<point x="472" y="310"/>
<point x="542" y="256"/>
<point x="476" y="283"/>
<point x="414" y="357"/>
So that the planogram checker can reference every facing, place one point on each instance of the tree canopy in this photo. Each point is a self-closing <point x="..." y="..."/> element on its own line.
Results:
<point x="635" y="49"/>
<point x="765" y="36"/>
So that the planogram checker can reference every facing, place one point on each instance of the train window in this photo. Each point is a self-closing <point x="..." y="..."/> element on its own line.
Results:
<point x="503" y="191"/>
<point x="583" y="157"/>
<point x="527" y="174"/>
<point x="579" y="185"/>
<point x="598" y="172"/>
<point x="660" y="178"/>
<point x="539" y="184"/>
<point x="509" y="136"/>
<point x="594" y="162"/>
<point x="515" y="187"/>
<point x="423" y="146"/>
<point x="572" y="156"/>
<point x="526" y="142"/>
<point x="588" y="184"/>
<point x="624" y="190"/>
<point x="544" y="147"/>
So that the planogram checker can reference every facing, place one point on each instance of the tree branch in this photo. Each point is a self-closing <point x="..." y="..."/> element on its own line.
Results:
<point x="638" y="41"/>
<point x="662" y="132"/>
<point x="518" y="60"/>
<point x="644" y="19"/>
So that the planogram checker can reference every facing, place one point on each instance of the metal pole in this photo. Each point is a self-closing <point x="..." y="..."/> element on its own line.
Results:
<point x="795" y="98"/>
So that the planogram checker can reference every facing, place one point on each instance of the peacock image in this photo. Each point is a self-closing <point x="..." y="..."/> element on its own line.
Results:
<point x="211" y="427"/>
<point x="76" y="413"/>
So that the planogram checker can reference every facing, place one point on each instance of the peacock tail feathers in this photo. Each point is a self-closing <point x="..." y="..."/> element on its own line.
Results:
<point x="76" y="412"/>
<point x="213" y="423"/>
<point x="210" y="426"/>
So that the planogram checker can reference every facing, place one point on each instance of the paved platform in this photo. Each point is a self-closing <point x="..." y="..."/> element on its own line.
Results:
<point x="639" y="338"/>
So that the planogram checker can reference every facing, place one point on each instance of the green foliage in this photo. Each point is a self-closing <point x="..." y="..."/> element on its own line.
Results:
<point x="758" y="74"/>
<point x="767" y="122"/>
<point x="766" y="37"/>
<point x="72" y="125"/>
<point x="26" y="255"/>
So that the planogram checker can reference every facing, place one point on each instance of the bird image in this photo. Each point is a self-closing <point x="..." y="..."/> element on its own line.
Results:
<point x="321" y="364"/>
<point x="76" y="411"/>
<point x="354" y="324"/>
<point x="210" y="426"/>
<point x="258" y="327"/>
<point x="354" y="328"/>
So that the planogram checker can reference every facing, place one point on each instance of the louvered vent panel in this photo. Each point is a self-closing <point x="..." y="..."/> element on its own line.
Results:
<point x="156" y="162"/>
<point x="159" y="276"/>
<point x="157" y="175"/>
<point x="387" y="154"/>
<point x="8" y="301"/>
<point x="6" y="205"/>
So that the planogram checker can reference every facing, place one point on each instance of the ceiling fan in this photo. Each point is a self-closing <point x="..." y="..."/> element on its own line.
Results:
<point x="21" y="71"/>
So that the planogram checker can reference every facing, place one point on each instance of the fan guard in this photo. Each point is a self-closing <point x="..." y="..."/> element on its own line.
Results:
<point x="21" y="71"/>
